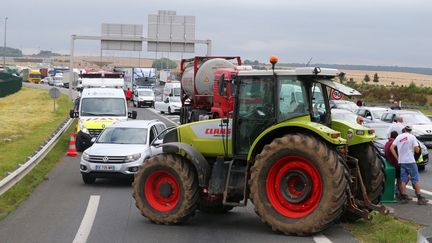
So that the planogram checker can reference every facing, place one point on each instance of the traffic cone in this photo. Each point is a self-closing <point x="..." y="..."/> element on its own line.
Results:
<point x="72" y="149"/>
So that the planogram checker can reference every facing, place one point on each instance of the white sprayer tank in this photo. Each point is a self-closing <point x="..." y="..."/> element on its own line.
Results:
<point x="204" y="77"/>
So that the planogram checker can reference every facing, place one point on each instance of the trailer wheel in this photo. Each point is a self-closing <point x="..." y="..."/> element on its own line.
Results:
<point x="372" y="170"/>
<point x="298" y="185"/>
<point x="165" y="189"/>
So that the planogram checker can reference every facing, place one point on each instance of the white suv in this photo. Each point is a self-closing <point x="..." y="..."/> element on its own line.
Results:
<point x="120" y="149"/>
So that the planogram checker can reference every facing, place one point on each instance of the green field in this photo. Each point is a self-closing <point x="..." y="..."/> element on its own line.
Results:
<point x="10" y="200"/>
<point x="26" y="121"/>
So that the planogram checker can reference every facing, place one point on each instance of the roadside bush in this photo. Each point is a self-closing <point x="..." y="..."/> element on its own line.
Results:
<point x="9" y="84"/>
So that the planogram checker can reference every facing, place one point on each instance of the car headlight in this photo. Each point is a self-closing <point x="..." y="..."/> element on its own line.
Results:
<point x="140" y="99"/>
<point x="83" y="128"/>
<point x="176" y="106"/>
<point x="85" y="156"/>
<point x="133" y="157"/>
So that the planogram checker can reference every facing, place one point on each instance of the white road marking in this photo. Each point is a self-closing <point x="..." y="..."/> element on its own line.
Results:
<point x="88" y="219"/>
<point x="320" y="238"/>
<point x="165" y="118"/>
<point x="421" y="190"/>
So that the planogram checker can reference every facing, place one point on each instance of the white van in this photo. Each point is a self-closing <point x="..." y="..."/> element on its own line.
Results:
<point x="143" y="97"/>
<point x="171" y="102"/>
<point x="98" y="108"/>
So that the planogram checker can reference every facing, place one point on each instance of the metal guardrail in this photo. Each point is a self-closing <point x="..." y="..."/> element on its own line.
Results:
<point x="22" y="170"/>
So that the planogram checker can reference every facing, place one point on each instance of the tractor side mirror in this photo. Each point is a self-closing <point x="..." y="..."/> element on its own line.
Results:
<point x="132" y="115"/>
<point x="221" y="84"/>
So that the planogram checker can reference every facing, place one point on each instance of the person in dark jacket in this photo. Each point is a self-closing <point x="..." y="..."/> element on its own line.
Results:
<point x="393" y="161"/>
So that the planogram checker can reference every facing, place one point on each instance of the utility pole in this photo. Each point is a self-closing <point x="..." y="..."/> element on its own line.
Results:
<point x="4" y="45"/>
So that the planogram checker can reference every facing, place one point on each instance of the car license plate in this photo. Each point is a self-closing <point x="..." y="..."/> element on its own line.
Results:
<point x="105" y="167"/>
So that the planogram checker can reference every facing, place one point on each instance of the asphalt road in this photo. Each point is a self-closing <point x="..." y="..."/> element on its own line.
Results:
<point x="57" y="208"/>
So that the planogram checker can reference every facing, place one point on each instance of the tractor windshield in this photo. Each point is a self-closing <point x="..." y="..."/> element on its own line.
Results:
<point x="292" y="98"/>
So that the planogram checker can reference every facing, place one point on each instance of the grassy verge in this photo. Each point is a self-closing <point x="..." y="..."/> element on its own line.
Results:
<point x="10" y="200"/>
<point x="26" y="120"/>
<point x="384" y="228"/>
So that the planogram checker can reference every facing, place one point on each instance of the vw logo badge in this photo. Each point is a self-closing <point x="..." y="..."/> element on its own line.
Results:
<point x="428" y="131"/>
<point x="105" y="159"/>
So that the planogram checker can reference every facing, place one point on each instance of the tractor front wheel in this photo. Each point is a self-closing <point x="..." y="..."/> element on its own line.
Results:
<point x="166" y="189"/>
<point x="298" y="185"/>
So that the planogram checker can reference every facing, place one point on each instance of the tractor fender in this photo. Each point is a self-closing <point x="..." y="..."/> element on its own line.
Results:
<point x="194" y="156"/>
<point x="296" y="126"/>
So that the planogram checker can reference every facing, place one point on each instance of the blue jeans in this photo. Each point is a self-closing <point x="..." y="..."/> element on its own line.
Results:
<point x="409" y="169"/>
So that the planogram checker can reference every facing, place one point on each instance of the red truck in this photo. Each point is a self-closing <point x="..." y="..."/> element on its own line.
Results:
<point x="200" y="78"/>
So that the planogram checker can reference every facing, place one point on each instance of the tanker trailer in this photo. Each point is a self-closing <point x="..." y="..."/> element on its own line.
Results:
<point x="200" y="88"/>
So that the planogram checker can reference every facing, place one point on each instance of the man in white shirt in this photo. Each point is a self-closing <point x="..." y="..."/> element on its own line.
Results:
<point x="396" y="126"/>
<point x="407" y="144"/>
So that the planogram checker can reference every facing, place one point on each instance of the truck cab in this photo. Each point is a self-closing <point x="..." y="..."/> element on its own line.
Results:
<point x="100" y="106"/>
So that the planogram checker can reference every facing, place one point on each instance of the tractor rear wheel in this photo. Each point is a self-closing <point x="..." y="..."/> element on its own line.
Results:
<point x="165" y="189"/>
<point x="298" y="185"/>
<point x="372" y="170"/>
<point x="209" y="205"/>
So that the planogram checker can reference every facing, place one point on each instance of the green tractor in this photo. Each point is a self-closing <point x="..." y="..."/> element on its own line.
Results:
<point x="279" y="148"/>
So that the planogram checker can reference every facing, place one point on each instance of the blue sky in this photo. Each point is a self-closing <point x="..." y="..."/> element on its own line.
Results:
<point x="345" y="32"/>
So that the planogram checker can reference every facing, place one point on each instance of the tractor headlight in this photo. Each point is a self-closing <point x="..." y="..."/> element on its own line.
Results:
<point x="360" y="132"/>
<point x="133" y="157"/>
<point x="85" y="156"/>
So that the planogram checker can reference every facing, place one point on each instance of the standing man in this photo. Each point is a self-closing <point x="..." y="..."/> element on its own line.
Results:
<point x="396" y="126"/>
<point x="406" y="144"/>
<point x="393" y="161"/>
<point x="128" y="95"/>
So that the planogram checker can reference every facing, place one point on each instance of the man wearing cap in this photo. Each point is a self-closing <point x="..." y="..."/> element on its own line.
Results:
<point x="407" y="144"/>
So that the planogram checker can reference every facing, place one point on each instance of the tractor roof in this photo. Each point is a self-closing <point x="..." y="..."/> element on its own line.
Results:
<point x="304" y="71"/>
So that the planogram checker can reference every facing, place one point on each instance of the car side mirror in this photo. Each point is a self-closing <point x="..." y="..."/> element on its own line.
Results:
<point x="93" y="140"/>
<point x="166" y="100"/>
<point x="157" y="142"/>
<point x="73" y="114"/>
<point x="170" y="95"/>
<point x="132" y="115"/>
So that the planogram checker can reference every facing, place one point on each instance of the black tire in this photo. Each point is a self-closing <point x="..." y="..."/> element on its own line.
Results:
<point x="372" y="170"/>
<point x="88" y="179"/>
<point x="213" y="206"/>
<point x="169" y="110"/>
<point x="79" y="144"/>
<point x="133" y="104"/>
<point x="320" y="158"/>
<point x="186" y="185"/>
<point x="421" y="167"/>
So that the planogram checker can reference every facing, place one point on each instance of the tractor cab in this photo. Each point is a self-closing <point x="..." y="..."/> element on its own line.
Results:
<point x="266" y="98"/>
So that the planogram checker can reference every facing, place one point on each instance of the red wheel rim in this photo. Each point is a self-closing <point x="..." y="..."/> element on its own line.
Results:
<point x="162" y="190"/>
<point x="294" y="186"/>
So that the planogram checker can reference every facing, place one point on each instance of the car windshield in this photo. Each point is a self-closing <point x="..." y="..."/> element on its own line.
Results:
<point x="175" y="98"/>
<point x="103" y="107"/>
<point x="176" y="91"/>
<point x="381" y="132"/>
<point x="121" y="135"/>
<point x="416" y="119"/>
<point x="348" y="116"/>
<point x="378" y="113"/>
<point x="145" y="93"/>
<point x="347" y="106"/>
